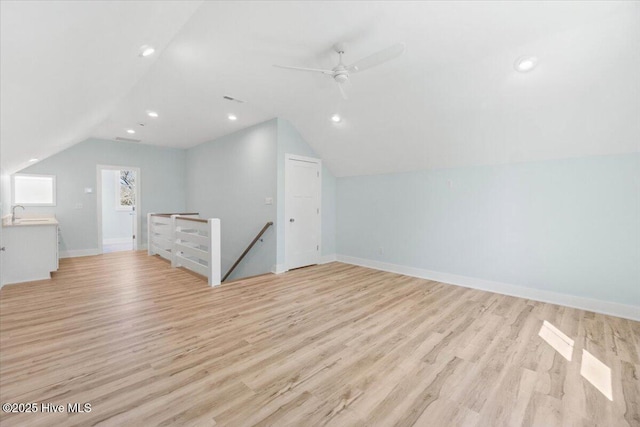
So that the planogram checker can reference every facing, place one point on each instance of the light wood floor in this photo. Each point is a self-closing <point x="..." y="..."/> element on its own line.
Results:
<point x="327" y="345"/>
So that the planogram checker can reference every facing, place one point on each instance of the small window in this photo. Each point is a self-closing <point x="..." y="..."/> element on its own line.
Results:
<point x="34" y="190"/>
<point x="125" y="193"/>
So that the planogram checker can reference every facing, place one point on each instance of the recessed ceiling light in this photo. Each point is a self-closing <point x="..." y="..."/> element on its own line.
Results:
<point x="526" y="63"/>
<point x="152" y="114"/>
<point x="336" y="118"/>
<point x="232" y="117"/>
<point x="33" y="160"/>
<point x="131" y="131"/>
<point x="146" y="50"/>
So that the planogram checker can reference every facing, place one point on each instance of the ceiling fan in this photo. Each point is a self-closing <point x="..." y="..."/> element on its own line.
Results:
<point x="341" y="73"/>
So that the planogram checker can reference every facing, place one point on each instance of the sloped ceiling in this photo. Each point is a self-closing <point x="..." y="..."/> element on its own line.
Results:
<point x="66" y="65"/>
<point x="70" y="70"/>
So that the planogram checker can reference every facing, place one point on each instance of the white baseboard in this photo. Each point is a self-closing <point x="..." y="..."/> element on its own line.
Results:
<point x="79" y="253"/>
<point x="325" y="259"/>
<point x="30" y="279"/>
<point x="117" y="240"/>
<point x="278" y="269"/>
<point x="605" y="307"/>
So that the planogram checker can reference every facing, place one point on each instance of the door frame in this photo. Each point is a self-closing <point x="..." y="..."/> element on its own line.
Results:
<point x="287" y="158"/>
<point x="137" y="224"/>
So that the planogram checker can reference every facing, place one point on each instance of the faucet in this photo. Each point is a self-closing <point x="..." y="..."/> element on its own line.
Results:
<point x="13" y="212"/>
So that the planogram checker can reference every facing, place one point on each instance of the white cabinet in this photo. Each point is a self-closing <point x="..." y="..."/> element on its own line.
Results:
<point x="31" y="252"/>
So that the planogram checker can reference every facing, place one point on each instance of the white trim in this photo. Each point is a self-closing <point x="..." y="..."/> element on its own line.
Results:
<point x="137" y="229"/>
<point x="31" y="279"/>
<point x="287" y="158"/>
<point x="117" y="240"/>
<point x="325" y="259"/>
<point x="605" y="307"/>
<point x="79" y="252"/>
<point x="13" y="189"/>
<point x="278" y="269"/>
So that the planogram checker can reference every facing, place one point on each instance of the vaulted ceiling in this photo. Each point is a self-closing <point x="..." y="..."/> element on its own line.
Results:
<point x="72" y="70"/>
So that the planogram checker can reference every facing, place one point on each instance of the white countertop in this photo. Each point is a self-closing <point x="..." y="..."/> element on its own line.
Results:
<point x="23" y="222"/>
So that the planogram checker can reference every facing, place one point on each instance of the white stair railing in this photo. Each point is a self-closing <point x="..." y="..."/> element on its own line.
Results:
<point x="197" y="246"/>
<point x="187" y="241"/>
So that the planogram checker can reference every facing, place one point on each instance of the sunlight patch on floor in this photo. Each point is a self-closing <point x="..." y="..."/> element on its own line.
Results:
<point x="591" y="369"/>
<point x="597" y="373"/>
<point x="556" y="339"/>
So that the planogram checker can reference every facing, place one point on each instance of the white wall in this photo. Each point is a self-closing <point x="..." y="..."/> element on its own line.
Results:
<point x="5" y="193"/>
<point x="569" y="227"/>
<point x="291" y="142"/>
<point x="117" y="224"/>
<point x="229" y="178"/>
<point x="5" y="206"/>
<point x="162" y="183"/>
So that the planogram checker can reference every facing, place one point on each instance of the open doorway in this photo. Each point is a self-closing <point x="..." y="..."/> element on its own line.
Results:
<point x="118" y="203"/>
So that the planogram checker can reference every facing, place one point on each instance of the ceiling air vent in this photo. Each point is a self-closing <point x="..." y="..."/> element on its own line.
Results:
<point x="230" y="98"/>
<point x="119" y="138"/>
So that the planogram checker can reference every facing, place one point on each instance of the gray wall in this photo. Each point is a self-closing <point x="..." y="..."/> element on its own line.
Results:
<point x="291" y="142"/>
<point x="162" y="183"/>
<point x="229" y="178"/>
<point x="567" y="226"/>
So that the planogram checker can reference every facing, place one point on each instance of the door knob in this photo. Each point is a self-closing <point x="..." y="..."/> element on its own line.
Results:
<point x="292" y="220"/>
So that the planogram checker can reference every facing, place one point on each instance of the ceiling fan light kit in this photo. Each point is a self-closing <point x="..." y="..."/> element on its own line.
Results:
<point x="341" y="77"/>
<point x="341" y="73"/>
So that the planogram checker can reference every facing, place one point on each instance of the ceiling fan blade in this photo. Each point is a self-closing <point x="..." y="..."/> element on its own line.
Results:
<point x="377" y="58"/>
<point x="329" y="72"/>
<point x="343" y="90"/>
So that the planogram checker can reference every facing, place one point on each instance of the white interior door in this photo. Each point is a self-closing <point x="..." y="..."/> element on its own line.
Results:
<point x="302" y="211"/>
<point x="118" y="219"/>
